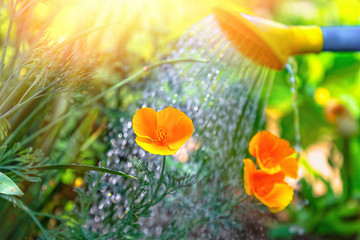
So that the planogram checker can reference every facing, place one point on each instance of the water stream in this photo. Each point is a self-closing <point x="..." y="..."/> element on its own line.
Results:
<point x="226" y="100"/>
<point x="291" y="68"/>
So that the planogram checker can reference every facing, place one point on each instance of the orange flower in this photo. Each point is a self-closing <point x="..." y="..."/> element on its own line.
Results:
<point x="162" y="132"/>
<point x="273" y="154"/>
<point x="270" y="189"/>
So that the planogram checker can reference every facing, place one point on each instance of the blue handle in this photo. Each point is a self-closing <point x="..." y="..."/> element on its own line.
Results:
<point x="337" y="39"/>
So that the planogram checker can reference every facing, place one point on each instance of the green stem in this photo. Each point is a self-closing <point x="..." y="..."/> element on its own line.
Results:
<point x="160" y="198"/>
<point x="25" y="122"/>
<point x="64" y="43"/>
<point x="82" y="168"/>
<point x="162" y="167"/>
<point x="83" y="34"/>
<point x="86" y="210"/>
<point x="21" y="10"/>
<point x="11" y="21"/>
<point x="116" y="86"/>
<point x="140" y="72"/>
<point x="244" y="199"/>
<point x="161" y="177"/>
<point x="28" y="211"/>
<point x="18" y="86"/>
<point x="347" y="169"/>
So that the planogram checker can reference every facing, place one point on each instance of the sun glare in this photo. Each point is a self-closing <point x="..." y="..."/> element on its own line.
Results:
<point x="138" y="20"/>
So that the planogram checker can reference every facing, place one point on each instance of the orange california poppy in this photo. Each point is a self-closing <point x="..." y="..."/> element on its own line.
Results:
<point x="274" y="154"/>
<point x="270" y="189"/>
<point x="162" y="132"/>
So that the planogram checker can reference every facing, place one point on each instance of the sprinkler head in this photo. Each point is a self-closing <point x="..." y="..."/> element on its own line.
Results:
<point x="266" y="42"/>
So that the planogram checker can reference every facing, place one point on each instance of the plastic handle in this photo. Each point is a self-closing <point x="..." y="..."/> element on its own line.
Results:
<point x="339" y="39"/>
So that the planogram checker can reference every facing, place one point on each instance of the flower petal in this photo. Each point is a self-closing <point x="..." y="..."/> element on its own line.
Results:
<point x="249" y="169"/>
<point x="179" y="126"/>
<point x="144" y="122"/>
<point x="270" y="167"/>
<point x="264" y="182"/>
<point x="262" y="140"/>
<point x="181" y="132"/>
<point x="269" y="150"/>
<point x="283" y="149"/>
<point x="168" y="117"/>
<point x="278" y="199"/>
<point x="290" y="166"/>
<point x="264" y="178"/>
<point x="154" y="147"/>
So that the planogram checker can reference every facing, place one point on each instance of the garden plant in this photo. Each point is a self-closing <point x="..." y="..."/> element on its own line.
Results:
<point x="179" y="119"/>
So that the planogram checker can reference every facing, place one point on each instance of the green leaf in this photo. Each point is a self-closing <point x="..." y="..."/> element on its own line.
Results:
<point x="8" y="187"/>
<point x="2" y="150"/>
<point x="80" y="167"/>
<point x="4" y="128"/>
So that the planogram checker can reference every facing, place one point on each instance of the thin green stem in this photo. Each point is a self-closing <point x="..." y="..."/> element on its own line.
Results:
<point x="86" y="210"/>
<point x="82" y="168"/>
<point x="11" y="21"/>
<point x="28" y="211"/>
<point x="161" y="177"/>
<point x="139" y="73"/>
<point x="347" y="169"/>
<point x="14" y="91"/>
<point x="7" y="82"/>
<point x="36" y="221"/>
<point x="21" y="10"/>
<point x="32" y="97"/>
<point x="26" y="120"/>
<point x="162" y="167"/>
<point x="33" y="84"/>
<point x="47" y="215"/>
<point x="83" y="34"/>
<point x="160" y="198"/>
<point x="245" y="198"/>
<point x="58" y="46"/>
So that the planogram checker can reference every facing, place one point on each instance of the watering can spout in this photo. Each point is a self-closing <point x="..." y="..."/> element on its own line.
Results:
<point x="270" y="43"/>
<point x="289" y="40"/>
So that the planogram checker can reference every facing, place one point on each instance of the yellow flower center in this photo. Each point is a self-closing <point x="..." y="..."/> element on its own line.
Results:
<point x="161" y="134"/>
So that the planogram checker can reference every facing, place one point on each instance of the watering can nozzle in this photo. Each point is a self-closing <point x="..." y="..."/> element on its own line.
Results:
<point x="270" y="43"/>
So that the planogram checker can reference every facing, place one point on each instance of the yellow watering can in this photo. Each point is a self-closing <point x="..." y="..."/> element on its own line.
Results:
<point x="270" y="44"/>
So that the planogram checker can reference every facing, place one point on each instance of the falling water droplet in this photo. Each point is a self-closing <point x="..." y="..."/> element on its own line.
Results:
<point x="291" y="68"/>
